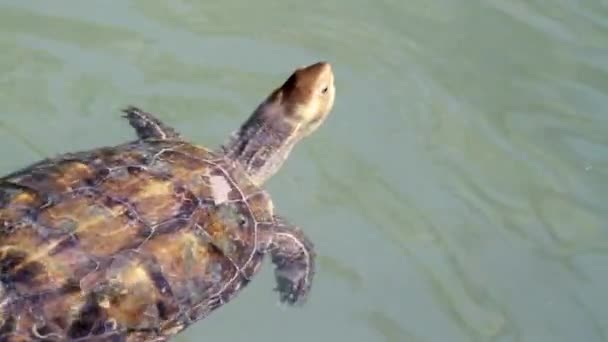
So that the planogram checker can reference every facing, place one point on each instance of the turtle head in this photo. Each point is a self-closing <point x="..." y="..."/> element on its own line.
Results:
<point x="308" y="97"/>
<point x="291" y="112"/>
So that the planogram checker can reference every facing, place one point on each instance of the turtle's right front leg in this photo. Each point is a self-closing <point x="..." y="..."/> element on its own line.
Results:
<point x="147" y="126"/>
<point x="293" y="255"/>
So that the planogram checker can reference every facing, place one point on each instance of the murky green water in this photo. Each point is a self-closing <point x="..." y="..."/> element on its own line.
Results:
<point x="458" y="191"/>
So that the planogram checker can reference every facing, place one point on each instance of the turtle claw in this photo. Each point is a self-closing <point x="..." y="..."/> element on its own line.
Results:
<point x="292" y="285"/>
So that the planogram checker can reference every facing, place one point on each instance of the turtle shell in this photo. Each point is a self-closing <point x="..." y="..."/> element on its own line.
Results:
<point x="133" y="242"/>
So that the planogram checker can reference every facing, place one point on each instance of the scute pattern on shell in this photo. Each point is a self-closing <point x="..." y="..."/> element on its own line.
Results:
<point x="101" y="235"/>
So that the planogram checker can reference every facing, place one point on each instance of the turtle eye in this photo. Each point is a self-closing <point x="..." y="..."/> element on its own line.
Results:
<point x="324" y="90"/>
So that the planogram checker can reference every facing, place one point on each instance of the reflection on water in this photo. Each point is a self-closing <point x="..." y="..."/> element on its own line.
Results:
<point x="457" y="192"/>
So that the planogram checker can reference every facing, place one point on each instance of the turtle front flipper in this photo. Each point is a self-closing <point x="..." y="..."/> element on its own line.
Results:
<point x="293" y="256"/>
<point x="147" y="126"/>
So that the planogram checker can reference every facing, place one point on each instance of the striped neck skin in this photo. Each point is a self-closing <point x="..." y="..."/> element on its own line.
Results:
<point x="260" y="145"/>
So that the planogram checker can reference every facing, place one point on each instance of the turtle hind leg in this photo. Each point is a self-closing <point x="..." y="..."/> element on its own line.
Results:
<point x="147" y="126"/>
<point x="293" y="256"/>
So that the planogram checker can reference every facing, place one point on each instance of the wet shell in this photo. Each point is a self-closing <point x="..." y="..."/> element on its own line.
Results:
<point x="114" y="240"/>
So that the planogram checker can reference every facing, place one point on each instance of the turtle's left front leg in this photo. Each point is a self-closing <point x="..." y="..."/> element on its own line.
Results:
<point x="147" y="126"/>
<point x="293" y="256"/>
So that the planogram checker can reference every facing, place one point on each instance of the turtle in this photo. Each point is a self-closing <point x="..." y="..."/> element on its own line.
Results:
<point x="138" y="241"/>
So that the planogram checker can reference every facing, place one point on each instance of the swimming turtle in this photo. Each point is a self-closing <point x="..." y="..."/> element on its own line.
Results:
<point x="135" y="242"/>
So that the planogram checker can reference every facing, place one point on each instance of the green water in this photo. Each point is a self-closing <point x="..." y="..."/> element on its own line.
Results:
<point x="458" y="191"/>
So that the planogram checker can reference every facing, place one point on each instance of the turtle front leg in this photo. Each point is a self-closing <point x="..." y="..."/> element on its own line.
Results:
<point x="293" y="256"/>
<point x="147" y="126"/>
